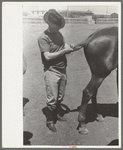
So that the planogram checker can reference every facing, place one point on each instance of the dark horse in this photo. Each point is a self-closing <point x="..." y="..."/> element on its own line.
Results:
<point x="101" y="51"/>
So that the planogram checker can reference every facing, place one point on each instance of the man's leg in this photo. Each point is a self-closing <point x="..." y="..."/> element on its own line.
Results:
<point x="61" y="93"/>
<point x="51" y="81"/>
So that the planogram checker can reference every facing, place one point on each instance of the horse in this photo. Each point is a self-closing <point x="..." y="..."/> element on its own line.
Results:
<point x="101" y="52"/>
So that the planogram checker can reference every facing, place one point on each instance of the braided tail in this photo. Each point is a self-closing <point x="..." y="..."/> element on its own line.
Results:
<point x="84" y="43"/>
<point x="79" y="46"/>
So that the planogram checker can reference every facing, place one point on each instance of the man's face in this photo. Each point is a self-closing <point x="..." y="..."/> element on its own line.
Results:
<point x="53" y="30"/>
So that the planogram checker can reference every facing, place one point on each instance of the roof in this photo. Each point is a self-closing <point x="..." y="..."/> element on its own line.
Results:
<point x="88" y="12"/>
<point x="114" y="13"/>
<point x="102" y="16"/>
<point x="38" y="11"/>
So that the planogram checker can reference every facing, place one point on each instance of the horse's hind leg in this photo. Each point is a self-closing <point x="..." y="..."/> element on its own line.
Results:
<point x="88" y="92"/>
<point x="94" y="102"/>
<point x="98" y="116"/>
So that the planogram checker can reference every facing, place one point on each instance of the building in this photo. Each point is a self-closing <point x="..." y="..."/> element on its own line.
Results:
<point x="87" y="14"/>
<point x="101" y="16"/>
<point x="38" y="13"/>
<point x="78" y="14"/>
<point x="114" y="15"/>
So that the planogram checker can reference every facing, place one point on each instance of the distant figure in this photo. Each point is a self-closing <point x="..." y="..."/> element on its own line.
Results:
<point x="24" y="64"/>
<point x="53" y="49"/>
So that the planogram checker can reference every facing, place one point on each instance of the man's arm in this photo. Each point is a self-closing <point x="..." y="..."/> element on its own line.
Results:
<point x="65" y="50"/>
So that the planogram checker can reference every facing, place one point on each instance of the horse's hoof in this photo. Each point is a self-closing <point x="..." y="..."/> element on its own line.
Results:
<point x="99" y="118"/>
<point x="83" y="131"/>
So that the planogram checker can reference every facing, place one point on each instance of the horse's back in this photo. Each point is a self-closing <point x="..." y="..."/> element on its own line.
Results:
<point x="102" y="51"/>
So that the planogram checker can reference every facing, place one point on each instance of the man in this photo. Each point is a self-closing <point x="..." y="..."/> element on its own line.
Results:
<point x="53" y="50"/>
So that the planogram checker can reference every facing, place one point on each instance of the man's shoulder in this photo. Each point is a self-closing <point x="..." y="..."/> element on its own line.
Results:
<point x="42" y="36"/>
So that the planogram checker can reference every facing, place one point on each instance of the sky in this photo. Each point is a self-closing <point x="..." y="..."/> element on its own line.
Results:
<point x="95" y="7"/>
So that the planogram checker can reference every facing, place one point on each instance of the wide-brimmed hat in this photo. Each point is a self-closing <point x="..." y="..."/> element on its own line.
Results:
<point x="54" y="19"/>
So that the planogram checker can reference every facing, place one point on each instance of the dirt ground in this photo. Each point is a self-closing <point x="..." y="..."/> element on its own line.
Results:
<point x="34" y="96"/>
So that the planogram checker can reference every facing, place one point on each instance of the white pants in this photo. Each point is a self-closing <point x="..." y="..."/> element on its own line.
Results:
<point x="55" y="83"/>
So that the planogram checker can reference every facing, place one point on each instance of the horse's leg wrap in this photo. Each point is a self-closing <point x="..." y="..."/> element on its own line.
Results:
<point x="81" y="118"/>
<point x="82" y="113"/>
<point x="85" y="99"/>
<point x="82" y="129"/>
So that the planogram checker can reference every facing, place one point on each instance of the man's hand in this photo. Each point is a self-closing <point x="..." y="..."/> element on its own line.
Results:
<point x="72" y="46"/>
<point x="67" y="49"/>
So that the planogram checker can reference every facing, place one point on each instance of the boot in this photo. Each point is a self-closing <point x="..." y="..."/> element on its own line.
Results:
<point x="61" y="118"/>
<point x="49" y="118"/>
<point x="51" y="126"/>
<point x="60" y="113"/>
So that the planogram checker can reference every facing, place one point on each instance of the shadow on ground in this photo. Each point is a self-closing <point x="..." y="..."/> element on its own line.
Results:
<point x="104" y="109"/>
<point x="26" y="137"/>
<point x="25" y="100"/>
<point x="64" y="109"/>
<point x="114" y="142"/>
<point x="26" y="134"/>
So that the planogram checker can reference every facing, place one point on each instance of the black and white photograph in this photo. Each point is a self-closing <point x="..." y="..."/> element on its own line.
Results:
<point x="66" y="63"/>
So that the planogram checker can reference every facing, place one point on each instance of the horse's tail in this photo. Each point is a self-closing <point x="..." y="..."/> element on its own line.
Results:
<point x="85" y="42"/>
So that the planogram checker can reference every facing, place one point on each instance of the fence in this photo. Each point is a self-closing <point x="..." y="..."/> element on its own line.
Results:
<point x="67" y="20"/>
<point x="74" y="21"/>
<point x="106" y="20"/>
<point x="33" y="20"/>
